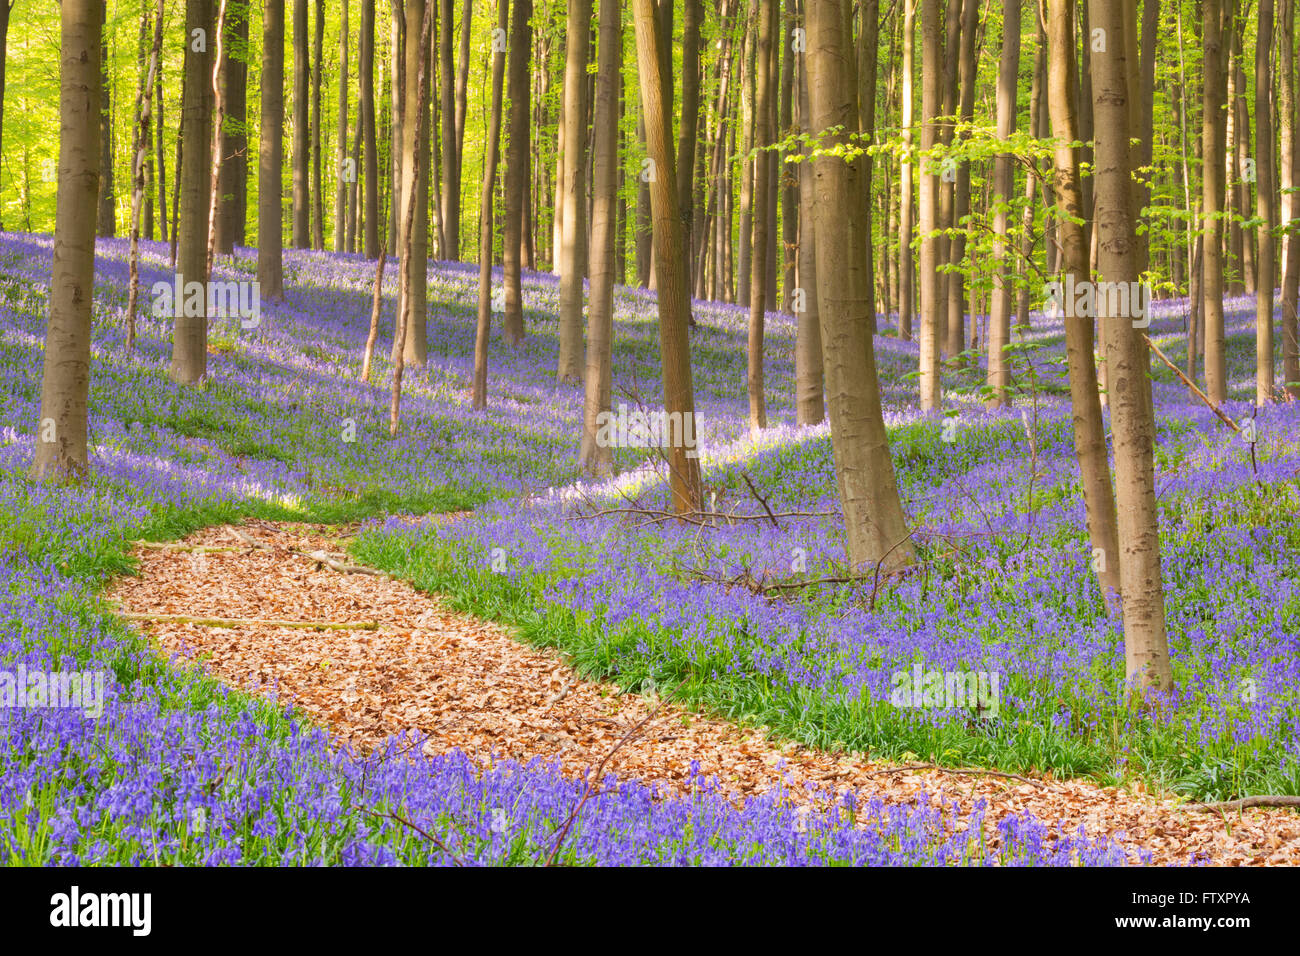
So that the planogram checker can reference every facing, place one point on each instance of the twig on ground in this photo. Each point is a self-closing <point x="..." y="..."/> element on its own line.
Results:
<point x="420" y="830"/>
<point x="595" y="775"/>
<point x="320" y="557"/>
<point x="977" y="771"/>
<point x="252" y="622"/>
<point x="1245" y="803"/>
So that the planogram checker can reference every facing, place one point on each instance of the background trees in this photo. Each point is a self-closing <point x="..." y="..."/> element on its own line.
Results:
<point x="940" y="158"/>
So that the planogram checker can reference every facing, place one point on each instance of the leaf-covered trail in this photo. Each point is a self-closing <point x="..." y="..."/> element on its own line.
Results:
<point x="408" y="663"/>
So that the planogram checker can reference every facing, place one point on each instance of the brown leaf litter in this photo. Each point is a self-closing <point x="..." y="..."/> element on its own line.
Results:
<point x="469" y="685"/>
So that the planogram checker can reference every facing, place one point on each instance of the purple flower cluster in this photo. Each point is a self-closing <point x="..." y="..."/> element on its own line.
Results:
<point x="177" y="768"/>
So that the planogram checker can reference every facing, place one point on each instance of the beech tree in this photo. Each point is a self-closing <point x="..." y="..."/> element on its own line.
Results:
<point x="1089" y="430"/>
<point x="999" y="375"/>
<point x="516" y="173"/>
<point x="1213" y="137"/>
<point x="484" y="328"/>
<point x="674" y="296"/>
<point x="876" y="528"/>
<point x="1266" y="279"/>
<point x="366" y="66"/>
<point x="763" y="215"/>
<point x="413" y="302"/>
<point x="190" y="334"/>
<point x="341" y="139"/>
<point x="233" y="187"/>
<point x="810" y="399"/>
<point x="65" y="377"/>
<point x="596" y="458"/>
<point x="301" y="151"/>
<point x="270" y="156"/>
<point x="573" y="190"/>
<point x="1146" y="652"/>
<point x="928" y="208"/>
<point x="107" y="220"/>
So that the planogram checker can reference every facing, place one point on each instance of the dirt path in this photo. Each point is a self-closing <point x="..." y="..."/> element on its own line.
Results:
<point x="469" y="685"/>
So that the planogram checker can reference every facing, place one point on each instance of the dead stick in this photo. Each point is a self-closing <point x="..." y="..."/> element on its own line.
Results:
<point x="196" y="548"/>
<point x="1246" y="803"/>
<point x="967" y="770"/>
<point x="252" y="622"/>
<point x="1224" y="417"/>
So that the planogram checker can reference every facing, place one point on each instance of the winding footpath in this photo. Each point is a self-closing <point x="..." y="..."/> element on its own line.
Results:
<point x="244" y="603"/>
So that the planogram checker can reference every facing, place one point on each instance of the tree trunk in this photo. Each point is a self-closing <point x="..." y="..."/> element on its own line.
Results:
<point x="999" y="335"/>
<point x="748" y="125"/>
<point x="928" y="207"/>
<point x="107" y="221"/>
<point x="413" y="302"/>
<point x="484" y="328"/>
<point x="368" y="131"/>
<point x="233" y="210"/>
<point x="214" y="149"/>
<point x="6" y="8"/>
<point x="301" y="158"/>
<point x="1266" y="279"/>
<point x="595" y="457"/>
<point x="162" y="160"/>
<point x="61" y="453"/>
<point x="693" y="17"/>
<point x="341" y="193"/>
<point x="418" y="37"/>
<point x="810" y="398"/>
<point x="572" y="267"/>
<point x="1089" y="430"/>
<point x="868" y="55"/>
<point x="877" y="535"/>
<point x="447" y="90"/>
<point x="516" y="174"/>
<point x="961" y="188"/>
<point x="674" y="297"/>
<point x="1212" y="150"/>
<point x="317" y="185"/>
<point x="270" y="156"/>
<point x="190" y="337"/>
<point x="758" y="286"/>
<point x="906" y="258"/>
<point x="462" y="94"/>
<point x="1146" y="654"/>
<point x="1037" y="129"/>
<point x="1291" y="165"/>
<point x="144" y="102"/>
<point x="397" y="89"/>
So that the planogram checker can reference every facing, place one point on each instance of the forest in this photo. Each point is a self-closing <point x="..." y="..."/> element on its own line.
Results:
<point x="698" y="433"/>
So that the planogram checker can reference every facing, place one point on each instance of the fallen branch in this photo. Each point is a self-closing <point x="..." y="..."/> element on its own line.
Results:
<point x="591" y="780"/>
<point x="424" y="833"/>
<point x="976" y="771"/>
<point x="247" y="538"/>
<point x="195" y="548"/>
<point x="1223" y="416"/>
<point x="252" y="622"/>
<point x="1245" y="803"/>
<point x="322" y="558"/>
<point x="761" y="500"/>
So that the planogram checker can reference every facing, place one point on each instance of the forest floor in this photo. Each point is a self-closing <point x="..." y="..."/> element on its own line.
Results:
<point x="393" y="660"/>
<point x="563" y="606"/>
